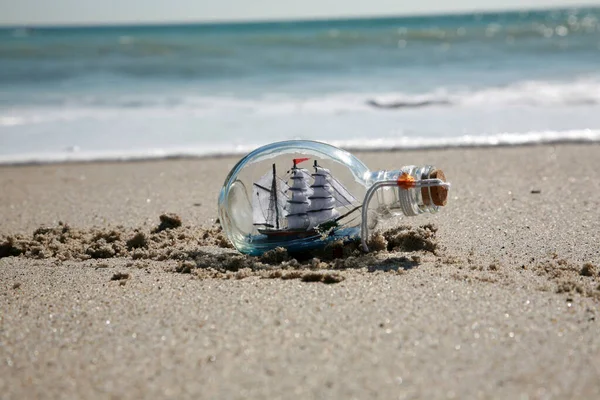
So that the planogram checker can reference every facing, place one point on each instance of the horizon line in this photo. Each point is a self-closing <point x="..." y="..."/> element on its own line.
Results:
<point x="292" y="20"/>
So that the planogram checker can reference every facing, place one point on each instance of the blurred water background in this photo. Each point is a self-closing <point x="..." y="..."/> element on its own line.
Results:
<point x="124" y="92"/>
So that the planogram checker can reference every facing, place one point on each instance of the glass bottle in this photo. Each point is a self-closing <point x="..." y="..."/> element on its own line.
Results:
<point x="302" y="194"/>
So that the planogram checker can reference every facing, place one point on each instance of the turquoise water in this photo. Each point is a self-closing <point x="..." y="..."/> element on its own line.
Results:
<point x="300" y="247"/>
<point x="154" y="91"/>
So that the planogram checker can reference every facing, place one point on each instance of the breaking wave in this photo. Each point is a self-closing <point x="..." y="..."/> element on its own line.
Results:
<point x="364" y="144"/>
<point x="540" y="94"/>
<point x="531" y="93"/>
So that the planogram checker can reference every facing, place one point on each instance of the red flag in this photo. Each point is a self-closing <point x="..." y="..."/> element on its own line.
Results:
<point x="299" y="160"/>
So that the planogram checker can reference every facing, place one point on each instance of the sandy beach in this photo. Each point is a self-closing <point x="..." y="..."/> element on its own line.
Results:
<point x="503" y="301"/>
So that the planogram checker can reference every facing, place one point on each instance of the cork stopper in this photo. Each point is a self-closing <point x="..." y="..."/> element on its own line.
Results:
<point x="438" y="195"/>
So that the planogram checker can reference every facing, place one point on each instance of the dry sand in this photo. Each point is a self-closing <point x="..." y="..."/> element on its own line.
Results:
<point x="498" y="296"/>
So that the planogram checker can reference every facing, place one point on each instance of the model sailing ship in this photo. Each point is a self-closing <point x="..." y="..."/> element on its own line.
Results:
<point x="301" y="209"/>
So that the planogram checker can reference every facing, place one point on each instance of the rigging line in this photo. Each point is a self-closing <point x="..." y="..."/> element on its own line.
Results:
<point x="329" y="178"/>
<point x="261" y="207"/>
<point x="281" y="187"/>
<point x="274" y="194"/>
<point x="352" y="219"/>
<point x="262" y="211"/>
<point x="334" y="188"/>
<point x="262" y="187"/>
<point x="348" y="213"/>
<point x="321" y="209"/>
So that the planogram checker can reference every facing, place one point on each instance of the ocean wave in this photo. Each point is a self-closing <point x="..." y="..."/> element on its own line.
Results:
<point x="118" y="46"/>
<point x="197" y="47"/>
<point x="496" y="140"/>
<point x="296" y="50"/>
<point x="402" y="36"/>
<point x="363" y="144"/>
<point x="530" y="93"/>
<point x="539" y="94"/>
<point x="223" y="39"/>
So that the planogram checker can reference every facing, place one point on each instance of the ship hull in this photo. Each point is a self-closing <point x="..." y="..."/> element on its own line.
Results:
<point x="296" y="246"/>
<point x="288" y="234"/>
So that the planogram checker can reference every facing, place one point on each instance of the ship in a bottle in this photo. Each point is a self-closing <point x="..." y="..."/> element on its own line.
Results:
<point x="304" y="204"/>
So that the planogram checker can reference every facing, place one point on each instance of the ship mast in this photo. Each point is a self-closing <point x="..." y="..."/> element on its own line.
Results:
<point x="274" y="195"/>
<point x="268" y="200"/>
<point x="298" y="203"/>
<point x="322" y="202"/>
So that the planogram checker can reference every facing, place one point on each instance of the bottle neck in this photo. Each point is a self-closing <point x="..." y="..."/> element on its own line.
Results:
<point x="403" y="199"/>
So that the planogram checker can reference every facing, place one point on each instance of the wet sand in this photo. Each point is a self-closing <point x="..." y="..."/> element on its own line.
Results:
<point x="501" y="300"/>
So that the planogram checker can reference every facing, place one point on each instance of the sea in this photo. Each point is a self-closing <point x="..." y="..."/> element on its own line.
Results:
<point x="138" y="92"/>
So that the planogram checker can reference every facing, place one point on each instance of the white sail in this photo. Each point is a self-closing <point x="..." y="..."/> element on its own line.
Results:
<point x="322" y="201"/>
<point x="298" y="202"/>
<point x="320" y="204"/>
<point x="342" y="196"/>
<point x="268" y="204"/>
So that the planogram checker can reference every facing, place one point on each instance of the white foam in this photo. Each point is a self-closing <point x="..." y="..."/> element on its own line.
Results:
<point x="11" y="121"/>
<point x="501" y="139"/>
<point x="578" y="92"/>
<point x="365" y="144"/>
<point x="527" y="93"/>
<point x="141" y="126"/>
